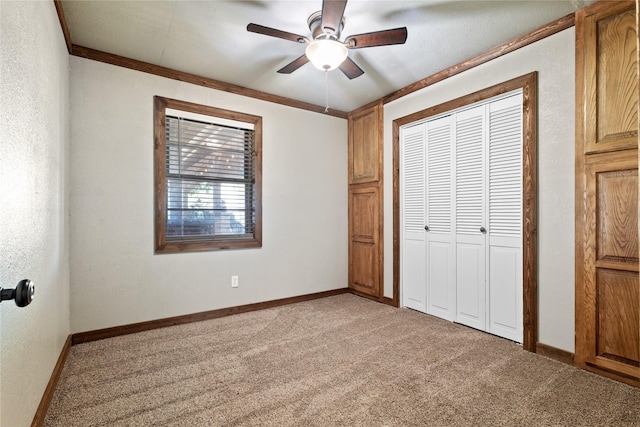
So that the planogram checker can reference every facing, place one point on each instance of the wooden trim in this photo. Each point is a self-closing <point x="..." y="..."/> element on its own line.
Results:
<point x="63" y="24"/>
<point x="396" y="211"/>
<point x="555" y="353"/>
<point x="99" y="334"/>
<point x="530" y="212"/>
<point x="146" y="67"/>
<point x="486" y="56"/>
<point x="581" y="319"/>
<point x="162" y="244"/>
<point x="614" y="375"/>
<point x="356" y="292"/>
<point x="43" y="407"/>
<point x="388" y="301"/>
<point x="528" y="83"/>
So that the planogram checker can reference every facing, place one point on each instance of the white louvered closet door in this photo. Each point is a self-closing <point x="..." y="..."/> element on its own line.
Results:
<point x="470" y="217"/>
<point x="413" y="256"/>
<point x="461" y="204"/>
<point x="505" y="218"/>
<point x="439" y="219"/>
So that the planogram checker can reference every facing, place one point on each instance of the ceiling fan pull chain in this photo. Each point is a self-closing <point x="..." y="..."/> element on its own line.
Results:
<point x="326" y="91"/>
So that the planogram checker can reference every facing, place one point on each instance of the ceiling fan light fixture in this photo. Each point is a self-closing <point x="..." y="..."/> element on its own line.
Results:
<point x="326" y="54"/>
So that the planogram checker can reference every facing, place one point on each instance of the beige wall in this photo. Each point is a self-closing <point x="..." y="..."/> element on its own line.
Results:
<point x="34" y="85"/>
<point x="116" y="278"/>
<point x="553" y="58"/>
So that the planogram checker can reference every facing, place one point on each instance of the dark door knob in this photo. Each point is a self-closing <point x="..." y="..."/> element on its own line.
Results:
<point x="426" y="228"/>
<point x="483" y="230"/>
<point x="22" y="294"/>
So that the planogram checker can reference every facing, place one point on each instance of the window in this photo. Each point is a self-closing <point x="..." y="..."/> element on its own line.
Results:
<point x="208" y="172"/>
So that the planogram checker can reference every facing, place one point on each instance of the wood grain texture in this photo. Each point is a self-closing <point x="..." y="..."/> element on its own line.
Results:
<point x="162" y="244"/>
<point x="364" y="239"/>
<point x="395" y="135"/>
<point x="503" y="49"/>
<point x="554" y="353"/>
<point x="364" y="145"/>
<point x="528" y="83"/>
<point x="617" y="234"/>
<point x="145" y="67"/>
<point x="133" y="328"/>
<point x="607" y="64"/>
<point x="607" y="302"/>
<point x="364" y="218"/>
<point x="41" y="412"/>
<point x="618" y="297"/>
<point x="366" y="210"/>
<point x="607" y="322"/>
<point x="616" y="69"/>
<point x="638" y="118"/>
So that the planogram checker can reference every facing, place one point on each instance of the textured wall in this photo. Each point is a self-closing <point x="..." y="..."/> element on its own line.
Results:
<point x="553" y="58"/>
<point x="116" y="277"/>
<point x="34" y="89"/>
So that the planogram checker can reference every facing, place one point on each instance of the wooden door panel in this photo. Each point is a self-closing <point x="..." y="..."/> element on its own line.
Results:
<point x="364" y="146"/>
<point x="611" y="84"/>
<point x="617" y="201"/>
<point x="364" y="203"/>
<point x="364" y="239"/>
<point x="364" y="271"/>
<point x="618" y="299"/>
<point x="610" y="300"/>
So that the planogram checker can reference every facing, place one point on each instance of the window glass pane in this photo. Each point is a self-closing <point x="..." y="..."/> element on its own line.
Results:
<point x="210" y="179"/>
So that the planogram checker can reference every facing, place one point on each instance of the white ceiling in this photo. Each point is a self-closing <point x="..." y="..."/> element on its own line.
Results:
<point x="209" y="38"/>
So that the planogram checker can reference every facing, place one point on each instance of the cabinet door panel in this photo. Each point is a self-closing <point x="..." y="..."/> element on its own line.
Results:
<point x="611" y="83"/>
<point x="611" y="287"/>
<point x="364" y="239"/>
<point x="364" y="146"/>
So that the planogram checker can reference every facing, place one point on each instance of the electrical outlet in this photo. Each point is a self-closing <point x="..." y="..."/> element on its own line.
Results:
<point x="234" y="281"/>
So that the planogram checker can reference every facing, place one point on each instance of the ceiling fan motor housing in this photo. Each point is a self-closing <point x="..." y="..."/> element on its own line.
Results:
<point x="315" y="21"/>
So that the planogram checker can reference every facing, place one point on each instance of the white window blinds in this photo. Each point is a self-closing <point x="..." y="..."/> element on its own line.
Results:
<point x="210" y="178"/>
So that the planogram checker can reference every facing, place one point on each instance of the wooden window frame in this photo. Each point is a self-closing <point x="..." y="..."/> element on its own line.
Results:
<point x="162" y="245"/>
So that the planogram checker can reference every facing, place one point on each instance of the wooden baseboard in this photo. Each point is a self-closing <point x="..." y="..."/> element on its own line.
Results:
<point x="389" y="301"/>
<point x="133" y="328"/>
<point x="555" y="353"/>
<point x="41" y="412"/>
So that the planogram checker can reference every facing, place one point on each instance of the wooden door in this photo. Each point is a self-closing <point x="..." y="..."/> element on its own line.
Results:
<point x="364" y="222"/>
<point x="607" y="286"/>
<point x="364" y="145"/>
<point x="365" y="201"/>
<point x="611" y="292"/>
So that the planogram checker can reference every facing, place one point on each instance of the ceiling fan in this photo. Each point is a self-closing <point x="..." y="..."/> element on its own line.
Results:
<point x="324" y="49"/>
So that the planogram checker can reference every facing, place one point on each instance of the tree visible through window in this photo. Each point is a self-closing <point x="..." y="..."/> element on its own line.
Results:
<point x="208" y="177"/>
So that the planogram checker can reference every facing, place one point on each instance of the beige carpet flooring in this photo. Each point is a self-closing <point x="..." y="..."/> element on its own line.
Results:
<point x="337" y="361"/>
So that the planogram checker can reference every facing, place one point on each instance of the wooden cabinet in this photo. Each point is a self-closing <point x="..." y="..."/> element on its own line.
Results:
<point x="365" y="148"/>
<point x="607" y="282"/>
<point x="364" y="241"/>
<point x="365" y="201"/>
